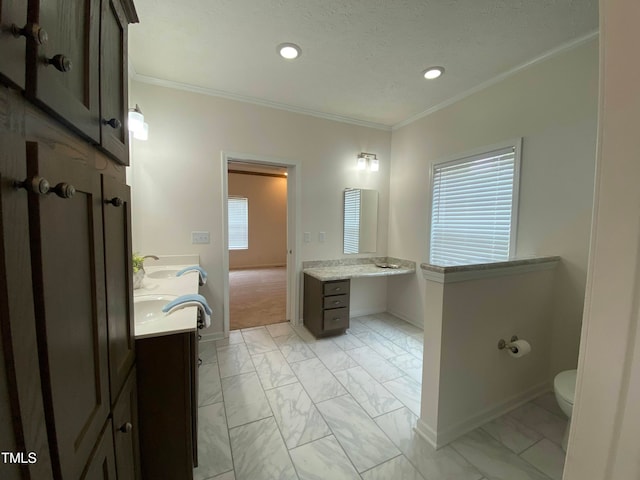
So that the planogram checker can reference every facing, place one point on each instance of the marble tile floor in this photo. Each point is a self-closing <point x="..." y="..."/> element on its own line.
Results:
<point x="277" y="403"/>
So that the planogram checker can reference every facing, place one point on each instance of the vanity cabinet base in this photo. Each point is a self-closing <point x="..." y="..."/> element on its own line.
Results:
<point x="167" y="402"/>
<point x="326" y="306"/>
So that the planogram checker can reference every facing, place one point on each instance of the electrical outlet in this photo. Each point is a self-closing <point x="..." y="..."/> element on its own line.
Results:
<point x="321" y="237"/>
<point x="307" y="237"/>
<point x="200" y="238"/>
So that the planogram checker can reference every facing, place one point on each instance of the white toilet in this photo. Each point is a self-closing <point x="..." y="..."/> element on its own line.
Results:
<point x="564" y="386"/>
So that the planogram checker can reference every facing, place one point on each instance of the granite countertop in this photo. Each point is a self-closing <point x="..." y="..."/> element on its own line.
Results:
<point x="487" y="266"/>
<point x="358" y="268"/>
<point x="460" y="273"/>
<point x="183" y="320"/>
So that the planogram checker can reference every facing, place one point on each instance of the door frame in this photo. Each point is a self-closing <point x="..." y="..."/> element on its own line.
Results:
<point x="293" y="220"/>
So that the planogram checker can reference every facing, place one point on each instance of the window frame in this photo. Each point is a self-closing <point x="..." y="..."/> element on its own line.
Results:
<point x="480" y="152"/>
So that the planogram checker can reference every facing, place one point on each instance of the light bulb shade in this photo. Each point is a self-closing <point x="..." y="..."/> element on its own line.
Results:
<point x="143" y="133"/>
<point x="135" y="121"/>
<point x="374" y="164"/>
<point x="362" y="162"/>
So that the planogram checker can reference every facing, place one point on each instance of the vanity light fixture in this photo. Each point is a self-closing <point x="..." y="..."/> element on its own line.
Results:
<point x="136" y="124"/>
<point x="143" y="133"/>
<point x="135" y="119"/>
<point x="289" y="51"/>
<point x="368" y="160"/>
<point x="432" y="73"/>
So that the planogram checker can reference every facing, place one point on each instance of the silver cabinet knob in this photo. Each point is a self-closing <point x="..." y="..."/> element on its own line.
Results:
<point x="37" y="185"/>
<point x="31" y="31"/>
<point x="61" y="63"/>
<point x="113" y="122"/>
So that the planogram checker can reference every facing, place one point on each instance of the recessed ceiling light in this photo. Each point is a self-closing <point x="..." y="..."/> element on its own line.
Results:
<point x="289" y="51"/>
<point x="433" y="72"/>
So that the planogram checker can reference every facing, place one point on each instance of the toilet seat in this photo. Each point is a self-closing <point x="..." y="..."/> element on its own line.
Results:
<point x="565" y="385"/>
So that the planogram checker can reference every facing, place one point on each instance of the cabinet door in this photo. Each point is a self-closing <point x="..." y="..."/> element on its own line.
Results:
<point x="22" y="417"/>
<point x="12" y="49"/>
<point x="62" y="74"/>
<point x="68" y="283"/>
<point x="114" y="136"/>
<point x="119" y="281"/>
<point x="102" y="465"/>
<point x="125" y="431"/>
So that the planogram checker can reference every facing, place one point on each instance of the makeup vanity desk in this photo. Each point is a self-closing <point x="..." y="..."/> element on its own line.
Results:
<point x="327" y="285"/>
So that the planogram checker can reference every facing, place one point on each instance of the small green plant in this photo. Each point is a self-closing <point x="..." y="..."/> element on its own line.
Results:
<point x="138" y="262"/>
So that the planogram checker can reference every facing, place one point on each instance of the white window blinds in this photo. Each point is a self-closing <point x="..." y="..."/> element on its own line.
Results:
<point x="351" y="220"/>
<point x="473" y="208"/>
<point x="238" y="223"/>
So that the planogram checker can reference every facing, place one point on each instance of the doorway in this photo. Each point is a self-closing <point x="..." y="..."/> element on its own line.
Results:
<point x="259" y="258"/>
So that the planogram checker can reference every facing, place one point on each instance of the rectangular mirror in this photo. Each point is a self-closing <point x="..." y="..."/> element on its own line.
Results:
<point x="360" y="220"/>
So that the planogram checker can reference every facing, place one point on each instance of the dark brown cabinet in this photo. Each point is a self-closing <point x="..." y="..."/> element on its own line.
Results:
<point x="12" y="47"/>
<point x="68" y="284"/>
<point x="326" y="306"/>
<point x="168" y="398"/>
<point x="70" y="57"/>
<point x="63" y="72"/>
<point x="114" y="137"/>
<point x="67" y="378"/>
<point x="102" y="465"/>
<point x="116" y="213"/>
<point x="126" y="431"/>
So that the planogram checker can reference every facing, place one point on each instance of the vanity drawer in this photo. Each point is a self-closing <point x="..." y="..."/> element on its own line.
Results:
<point x="336" y="288"/>
<point x="336" y="301"/>
<point x="335" y="319"/>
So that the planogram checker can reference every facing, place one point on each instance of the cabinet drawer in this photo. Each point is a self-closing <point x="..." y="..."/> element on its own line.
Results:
<point x="125" y="431"/>
<point x="337" y="318"/>
<point x="336" y="288"/>
<point x="336" y="301"/>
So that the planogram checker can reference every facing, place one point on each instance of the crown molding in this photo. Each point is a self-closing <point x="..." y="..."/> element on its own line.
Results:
<point x="256" y="101"/>
<point x="545" y="56"/>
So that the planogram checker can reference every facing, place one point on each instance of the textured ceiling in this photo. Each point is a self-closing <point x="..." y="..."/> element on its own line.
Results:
<point x="362" y="59"/>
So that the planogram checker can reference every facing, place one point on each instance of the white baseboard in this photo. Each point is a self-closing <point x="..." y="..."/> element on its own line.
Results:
<point x="252" y="267"/>
<point x="210" y="337"/>
<point x="426" y="432"/>
<point x="366" y="311"/>
<point x="444" y="436"/>
<point x="406" y="319"/>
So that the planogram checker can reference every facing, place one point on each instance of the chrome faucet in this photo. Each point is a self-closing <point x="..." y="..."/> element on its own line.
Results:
<point x="148" y="256"/>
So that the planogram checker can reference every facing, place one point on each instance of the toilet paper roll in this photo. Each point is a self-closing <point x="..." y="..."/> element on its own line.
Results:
<point x="523" y="348"/>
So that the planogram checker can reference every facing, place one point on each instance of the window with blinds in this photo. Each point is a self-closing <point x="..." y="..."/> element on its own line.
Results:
<point x="238" y="223"/>
<point x="474" y="208"/>
<point x="351" y="220"/>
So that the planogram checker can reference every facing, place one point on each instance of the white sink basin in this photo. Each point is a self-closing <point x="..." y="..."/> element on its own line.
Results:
<point x="163" y="273"/>
<point x="147" y="308"/>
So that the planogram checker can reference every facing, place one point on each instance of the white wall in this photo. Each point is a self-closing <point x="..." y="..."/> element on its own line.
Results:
<point x="553" y="106"/>
<point x="604" y="443"/>
<point x="177" y="174"/>
<point x="467" y="380"/>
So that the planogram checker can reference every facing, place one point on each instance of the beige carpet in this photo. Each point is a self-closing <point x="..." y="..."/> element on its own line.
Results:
<point x="257" y="297"/>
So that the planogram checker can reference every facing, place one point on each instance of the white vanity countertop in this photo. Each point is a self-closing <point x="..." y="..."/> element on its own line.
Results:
<point x="184" y="320"/>
<point x="343" y="272"/>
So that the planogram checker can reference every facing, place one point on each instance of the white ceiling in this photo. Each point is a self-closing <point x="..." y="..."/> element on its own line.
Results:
<point x="362" y="59"/>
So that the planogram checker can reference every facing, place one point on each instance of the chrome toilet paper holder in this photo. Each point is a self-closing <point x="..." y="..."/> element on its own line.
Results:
<point x="502" y="344"/>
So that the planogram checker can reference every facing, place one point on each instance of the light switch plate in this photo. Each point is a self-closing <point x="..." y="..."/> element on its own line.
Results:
<point x="307" y="237"/>
<point x="321" y="237"/>
<point x="200" y="238"/>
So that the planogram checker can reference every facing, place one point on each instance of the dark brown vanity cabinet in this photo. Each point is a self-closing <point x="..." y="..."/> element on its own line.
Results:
<point x="168" y="399"/>
<point x="326" y="306"/>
